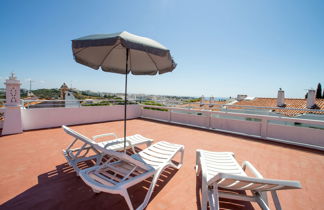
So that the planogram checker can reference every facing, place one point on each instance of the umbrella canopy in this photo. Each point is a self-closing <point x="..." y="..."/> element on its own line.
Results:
<point x="108" y="51"/>
<point x="123" y="53"/>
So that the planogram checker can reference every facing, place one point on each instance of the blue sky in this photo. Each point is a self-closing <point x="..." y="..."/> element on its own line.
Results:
<point x="223" y="48"/>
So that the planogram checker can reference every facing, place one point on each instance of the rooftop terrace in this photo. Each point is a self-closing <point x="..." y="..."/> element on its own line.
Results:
<point x="35" y="175"/>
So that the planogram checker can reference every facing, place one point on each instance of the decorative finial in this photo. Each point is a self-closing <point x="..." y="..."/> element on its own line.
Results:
<point x="13" y="76"/>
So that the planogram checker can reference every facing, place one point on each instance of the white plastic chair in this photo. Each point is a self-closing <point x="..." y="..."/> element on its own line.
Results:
<point x="80" y="154"/>
<point x="122" y="171"/>
<point x="221" y="170"/>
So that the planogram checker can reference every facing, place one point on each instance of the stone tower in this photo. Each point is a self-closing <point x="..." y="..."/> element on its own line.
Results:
<point x="12" y="91"/>
<point x="63" y="89"/>
<point x="12" y="117"/>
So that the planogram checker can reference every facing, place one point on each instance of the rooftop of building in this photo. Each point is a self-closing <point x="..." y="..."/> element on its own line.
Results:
<point x="205" y="105"/>
<point x="294" y="103"/>
<point x="291" y="108"/>
<point x="34" y="174"/>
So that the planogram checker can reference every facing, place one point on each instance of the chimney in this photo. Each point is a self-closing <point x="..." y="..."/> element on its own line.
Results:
<point x="310" y="99"/>
<point x="241" y="97"/>
<point x="211" y="101"/>
<point x="281" y="98"/>
<point x="202" y="100"/>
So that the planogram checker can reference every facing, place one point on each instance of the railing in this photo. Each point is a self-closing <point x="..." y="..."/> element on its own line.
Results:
<point x="269" y="111"/>
<point x="54" y="117"/>
<point x="247" y="120"/>
<point x="302" y="132"/>
<point x="32" y="104"/>
<point x="261" y="110"/>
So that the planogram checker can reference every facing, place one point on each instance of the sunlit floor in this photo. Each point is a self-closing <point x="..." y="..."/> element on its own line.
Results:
<point x="34" y="173"/>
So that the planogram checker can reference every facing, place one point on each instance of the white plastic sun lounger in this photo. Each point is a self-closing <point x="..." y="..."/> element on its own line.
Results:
<point x="80" y="154"/>
<point x="122" y="171"/>
<point x="221" y="170"/>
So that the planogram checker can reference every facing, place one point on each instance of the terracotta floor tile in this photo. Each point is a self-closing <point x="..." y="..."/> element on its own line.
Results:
<point x="34" y="173"/>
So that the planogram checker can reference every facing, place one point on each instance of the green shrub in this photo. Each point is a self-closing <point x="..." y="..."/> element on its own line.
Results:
<point x="153" y="103"/>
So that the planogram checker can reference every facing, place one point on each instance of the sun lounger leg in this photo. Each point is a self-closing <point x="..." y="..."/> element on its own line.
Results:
<point x="264" y="196"/>
<point x="128" y="201"/>
<point x="204" y="196"/>
<point x="261" y="201"/>
<point x="150" y="191"/>
<point x="198" y="166"/>
<point x="181" y="161"/>
<point x="214" y="203"/>
<point x="276" y="200"/>
<point x="96" y="191"/>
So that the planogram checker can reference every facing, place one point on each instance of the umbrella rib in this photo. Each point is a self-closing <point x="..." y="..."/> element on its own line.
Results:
<point x="103" y="60"/>
<point x="76" y="53"/>
<point x="153" y="61"/>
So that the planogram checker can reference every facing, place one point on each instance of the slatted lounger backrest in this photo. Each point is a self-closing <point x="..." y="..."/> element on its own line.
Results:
<point x="123" y="156"/>
<point x="78" y="135"/>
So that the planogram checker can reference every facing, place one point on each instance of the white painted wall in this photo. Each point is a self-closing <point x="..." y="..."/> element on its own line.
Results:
<point x="297" y="134"/>
<point x="190" y="119"/>
<point x="247" y="127"/>
<point x="12" y="123"/>
<point x="164" y="116"/>
<point x="55" y="117"/>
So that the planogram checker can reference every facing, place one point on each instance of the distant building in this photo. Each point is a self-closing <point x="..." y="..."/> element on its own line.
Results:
<point x="290" y="107"/>
<point x="241" y="97"/>
<point x="70" y="100"/>
<point x="63" y="89"/>
<point x="281" y="102"/>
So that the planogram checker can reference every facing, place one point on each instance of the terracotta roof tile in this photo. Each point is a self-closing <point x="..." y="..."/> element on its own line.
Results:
<point x="206" y="105"/>
<point x="289" y="102"/>
<point x="34" y="174"/>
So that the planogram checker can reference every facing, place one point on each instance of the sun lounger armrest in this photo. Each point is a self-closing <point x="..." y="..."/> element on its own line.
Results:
<point x="131" y="145"/>
<point x="283" y="183"/>
<point x="110" y="143"/>
<point x="123" y="156"/>
<point x="119" y="141"/>
<point x="247" y="164"/>
<point x="104" y="135"/>
<point x="87" y="179"/>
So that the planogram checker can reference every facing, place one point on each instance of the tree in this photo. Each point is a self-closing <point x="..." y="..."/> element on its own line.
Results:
<point x="319" y="91"/>
<point x="47" y="93"/>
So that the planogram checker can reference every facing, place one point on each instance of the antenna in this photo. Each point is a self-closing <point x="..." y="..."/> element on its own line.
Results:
<point x="30" y="85"/>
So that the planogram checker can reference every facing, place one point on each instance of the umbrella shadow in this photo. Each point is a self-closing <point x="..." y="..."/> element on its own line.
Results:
<point x="62" y="189"/>
<point x="223" y="202"/>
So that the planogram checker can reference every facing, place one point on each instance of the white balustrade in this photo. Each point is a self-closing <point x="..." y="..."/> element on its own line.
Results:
<point x="296" y="131"/>
<point x="302" y="132"/>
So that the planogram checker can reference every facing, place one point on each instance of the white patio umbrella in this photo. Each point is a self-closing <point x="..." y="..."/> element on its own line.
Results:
<point x="123" y="53"/>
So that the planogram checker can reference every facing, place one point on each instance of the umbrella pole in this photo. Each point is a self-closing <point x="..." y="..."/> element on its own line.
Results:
<point x="125" y="101"/>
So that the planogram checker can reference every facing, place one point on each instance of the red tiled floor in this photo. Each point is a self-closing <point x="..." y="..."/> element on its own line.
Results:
<point x="34" y="173"/>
